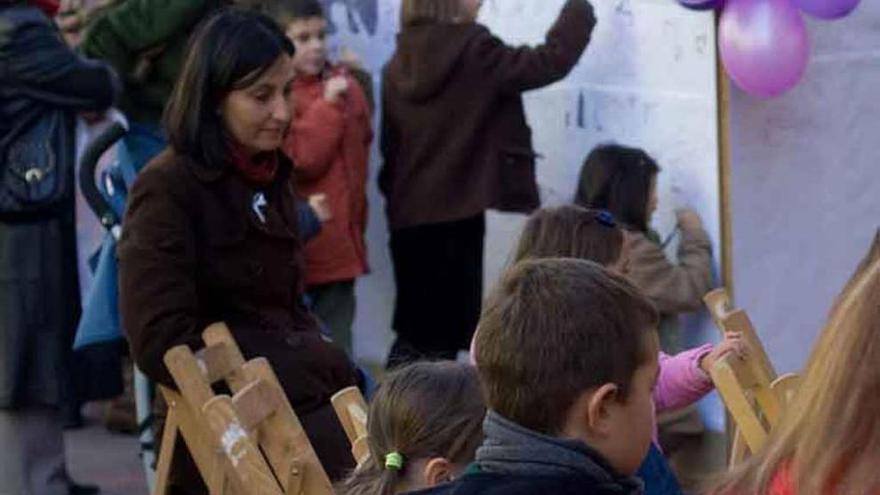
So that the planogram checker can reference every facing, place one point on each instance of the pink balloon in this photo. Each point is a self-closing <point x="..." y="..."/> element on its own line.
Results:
<point x="827" y="9"/>
<point x="764" y="45"/>
<point x="702" y="4"/>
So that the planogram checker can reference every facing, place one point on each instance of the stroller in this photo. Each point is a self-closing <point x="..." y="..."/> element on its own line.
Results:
<point x="99" y="325"/>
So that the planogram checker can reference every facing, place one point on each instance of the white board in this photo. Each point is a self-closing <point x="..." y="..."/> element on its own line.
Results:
<point x="648" y="79"/>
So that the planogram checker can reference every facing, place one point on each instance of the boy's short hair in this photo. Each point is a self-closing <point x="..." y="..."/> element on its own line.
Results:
<point x="553" y="328"/>
<point x="286" y="11"/>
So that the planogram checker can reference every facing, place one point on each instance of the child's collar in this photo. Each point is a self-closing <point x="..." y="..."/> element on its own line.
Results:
<point x="327" y="72"/>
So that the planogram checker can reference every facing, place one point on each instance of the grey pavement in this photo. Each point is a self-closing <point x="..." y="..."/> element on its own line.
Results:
<point x="109" y="460"/>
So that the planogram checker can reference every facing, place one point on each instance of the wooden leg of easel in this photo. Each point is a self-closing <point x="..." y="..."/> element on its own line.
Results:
<point x="738" y="450"/>
<point x="169" y="438"/>
<point x="217" y="481"/>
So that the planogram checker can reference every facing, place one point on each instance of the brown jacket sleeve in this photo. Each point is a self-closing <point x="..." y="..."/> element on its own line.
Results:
<point x="157" y="272"/>
<point x="517" y="69"/>
<point x="389" y="139"/>
<point x="673" y="288"/>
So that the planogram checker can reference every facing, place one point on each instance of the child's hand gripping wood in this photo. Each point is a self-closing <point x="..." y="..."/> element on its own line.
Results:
<point x="733" y="342"/>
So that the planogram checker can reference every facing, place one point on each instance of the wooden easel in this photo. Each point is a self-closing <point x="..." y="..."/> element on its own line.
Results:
<point x="729" y="319"/>
<point x="351" y="408"/>
<point x="750" y="388"/>
<point x="249" y="443"/>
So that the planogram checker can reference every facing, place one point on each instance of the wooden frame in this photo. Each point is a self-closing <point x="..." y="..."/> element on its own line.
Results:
<point x="251" y="442"/>
<point x="724" y="172"/>
<point x="351" y="408"/>
<point x="751" y="390"/>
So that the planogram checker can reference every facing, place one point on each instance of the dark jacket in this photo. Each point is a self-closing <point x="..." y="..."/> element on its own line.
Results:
<point x="504" y="484"/>
<point x="194" y="251"/>
<point x="145" y="41"/>
<point x="454" y="135"/>
<point x="514" y="460"/>
<point x="39" y="292"/>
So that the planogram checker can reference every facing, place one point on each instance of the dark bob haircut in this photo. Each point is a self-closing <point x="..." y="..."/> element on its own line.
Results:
<point x="618" y="179"/>
<point x="229" y="51"/>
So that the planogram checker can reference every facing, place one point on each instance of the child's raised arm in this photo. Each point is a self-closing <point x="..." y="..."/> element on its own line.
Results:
<point x="518" y="69"/>
<point x="684" y="378"/>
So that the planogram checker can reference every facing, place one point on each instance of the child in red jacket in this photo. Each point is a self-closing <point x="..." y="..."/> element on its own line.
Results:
<point x="329" y="143"/>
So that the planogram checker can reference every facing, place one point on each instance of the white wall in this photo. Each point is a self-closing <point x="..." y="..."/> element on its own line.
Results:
<point x="647" y="79"/>
<point x="806" y="185"/>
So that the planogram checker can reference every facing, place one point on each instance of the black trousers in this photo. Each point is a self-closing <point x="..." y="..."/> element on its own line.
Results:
<point x="438" y="270"/>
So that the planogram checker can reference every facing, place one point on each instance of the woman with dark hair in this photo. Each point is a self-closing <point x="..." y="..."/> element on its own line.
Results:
<point x="43" y="85"/>
<point x="623" y="180"/>
<point x="211" y="229"/>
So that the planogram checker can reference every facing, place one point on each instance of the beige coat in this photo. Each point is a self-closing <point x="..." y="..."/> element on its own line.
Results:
<point x="674" y="287"/>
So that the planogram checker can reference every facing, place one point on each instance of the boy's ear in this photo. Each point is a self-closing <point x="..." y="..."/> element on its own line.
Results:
<point x="590" y="416"/>
<point x="438" y="470"/>
<point x="599" y="408"/>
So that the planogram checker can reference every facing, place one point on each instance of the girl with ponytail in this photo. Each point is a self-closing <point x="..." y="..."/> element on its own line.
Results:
<point x="425" y="424"/>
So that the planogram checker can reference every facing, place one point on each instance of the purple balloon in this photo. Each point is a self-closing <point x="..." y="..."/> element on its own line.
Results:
<point x="702" y="4"/>
<point x="764" y="45"/>
<point x="827" y="9"/>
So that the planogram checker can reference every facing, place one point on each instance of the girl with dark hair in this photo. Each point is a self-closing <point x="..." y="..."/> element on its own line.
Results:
<point x="211" y="229"/>
<point x="623" y="181"/>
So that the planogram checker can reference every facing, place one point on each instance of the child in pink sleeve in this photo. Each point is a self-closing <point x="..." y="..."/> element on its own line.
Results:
<point x="684" y="378"/>
<point x="682" y="381"/>
<point x="575" y="232"/>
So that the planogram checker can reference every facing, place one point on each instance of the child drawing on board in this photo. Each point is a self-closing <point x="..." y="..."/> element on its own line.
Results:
<point x="455" y="143"/>
<point x="594" y="235"/>
<point x="623" y="181"/>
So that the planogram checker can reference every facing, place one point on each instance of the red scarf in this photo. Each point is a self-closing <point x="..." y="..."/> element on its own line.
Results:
<point x="49" y="7"/>
<point x="259" y="169"/>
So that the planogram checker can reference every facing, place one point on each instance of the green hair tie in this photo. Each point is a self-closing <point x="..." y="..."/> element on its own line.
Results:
<point x="394" y="461"/>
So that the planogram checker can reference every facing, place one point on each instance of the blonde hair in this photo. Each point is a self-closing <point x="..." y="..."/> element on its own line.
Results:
<point x="421" y="411"/>
<point x="431" y="12"/>
<point x="829" y="437"/>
